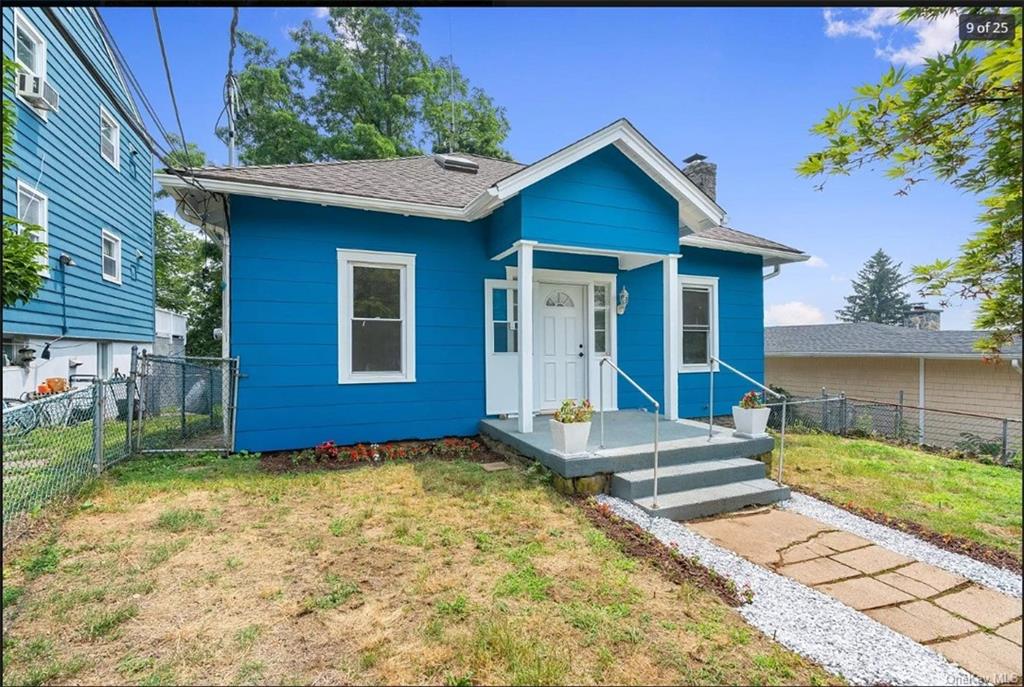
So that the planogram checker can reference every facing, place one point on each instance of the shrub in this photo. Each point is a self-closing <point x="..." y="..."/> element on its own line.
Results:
<point x="751" y="400"/>
<point x="573" y="411"/>
<point x="328" y="450"/>
<point x="455" y="448"/>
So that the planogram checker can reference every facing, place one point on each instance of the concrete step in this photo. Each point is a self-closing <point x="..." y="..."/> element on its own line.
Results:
<point x="681" y="453"/>
<point x="722" y="498"/>
<point x="686" y="476"/>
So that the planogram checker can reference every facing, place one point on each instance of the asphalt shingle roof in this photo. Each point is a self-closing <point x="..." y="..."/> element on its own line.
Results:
<point x="416" y="179"/>
<point x="743" y="238"/>
<point x="861" y="338"/>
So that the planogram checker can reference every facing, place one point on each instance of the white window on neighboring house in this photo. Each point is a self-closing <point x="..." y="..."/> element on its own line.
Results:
<point x="33" y="208"/>
<point x="29" y="49"/>
<point x="110" y="256"/>
<point x="104" y="359"/>
<point x="376" y="316"/>
<point x="698" y="303"/>
<point x="110" y="138"/>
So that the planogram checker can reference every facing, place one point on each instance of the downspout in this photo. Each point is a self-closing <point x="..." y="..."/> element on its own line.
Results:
<point x="776" y="271"/>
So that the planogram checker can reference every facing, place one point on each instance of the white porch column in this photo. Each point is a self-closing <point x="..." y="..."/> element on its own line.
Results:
<point x="524" y="253"/>
<point x="670" y="269"/>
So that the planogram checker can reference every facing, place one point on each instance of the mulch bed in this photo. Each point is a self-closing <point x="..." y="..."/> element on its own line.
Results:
<point x="967" y="547"/>
<point x="641" y="544"/>
<point x="279" y="462"/>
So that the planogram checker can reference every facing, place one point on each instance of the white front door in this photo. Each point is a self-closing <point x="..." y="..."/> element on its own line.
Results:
<point x="560" y="344"/>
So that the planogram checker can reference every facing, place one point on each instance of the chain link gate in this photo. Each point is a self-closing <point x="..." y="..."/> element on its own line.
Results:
<point x="185" y="404"/>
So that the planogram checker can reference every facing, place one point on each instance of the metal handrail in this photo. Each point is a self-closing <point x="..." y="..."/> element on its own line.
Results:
<point x="711" y="406"/>
<point x="657" y="413"/>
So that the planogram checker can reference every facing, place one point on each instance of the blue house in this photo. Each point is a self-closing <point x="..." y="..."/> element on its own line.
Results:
<point x="405" y="298"/>
<point x="81" y="171"/>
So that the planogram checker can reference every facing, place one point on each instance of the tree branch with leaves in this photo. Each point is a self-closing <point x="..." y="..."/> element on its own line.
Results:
<point x="958" y="120"/>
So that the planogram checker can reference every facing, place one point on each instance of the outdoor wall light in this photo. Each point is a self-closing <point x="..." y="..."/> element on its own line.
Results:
<point x="66" y="260"/>
<point x="623" y="301"/>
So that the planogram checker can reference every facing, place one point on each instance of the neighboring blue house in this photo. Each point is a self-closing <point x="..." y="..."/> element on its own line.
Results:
<point x="381" y="299"/>
<point x="83" y="172"/>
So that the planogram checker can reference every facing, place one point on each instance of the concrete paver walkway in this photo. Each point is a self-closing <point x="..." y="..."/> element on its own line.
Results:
<point x="973" y="626"/>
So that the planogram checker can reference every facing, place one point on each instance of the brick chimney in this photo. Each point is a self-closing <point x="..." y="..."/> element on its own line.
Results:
<point x="701" y="172"/>
<point x="920" y="316"/>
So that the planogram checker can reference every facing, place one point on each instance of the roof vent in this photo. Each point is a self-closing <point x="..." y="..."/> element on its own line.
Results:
<point x="456" y="163"/>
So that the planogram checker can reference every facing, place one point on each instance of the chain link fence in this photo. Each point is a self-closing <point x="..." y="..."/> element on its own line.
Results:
<point x="53" y="446"/>
<point x="995" y="439"/>
<point x="187" y="403"/>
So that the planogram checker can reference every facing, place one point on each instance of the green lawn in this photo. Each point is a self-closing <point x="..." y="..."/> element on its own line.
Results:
<point x="198" y="569"/>
<point x="963" y="498"/>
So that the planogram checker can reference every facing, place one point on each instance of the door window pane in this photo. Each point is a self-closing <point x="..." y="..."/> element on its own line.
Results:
<point x="376" y="346"/>
<point x="377" y="292"/>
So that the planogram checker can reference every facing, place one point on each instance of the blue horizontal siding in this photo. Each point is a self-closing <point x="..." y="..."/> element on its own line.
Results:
<point x="285" y="326"/>
<point x="601" y="201"/>
<point x="86" y="194"/>
<point x="741" y="329"/>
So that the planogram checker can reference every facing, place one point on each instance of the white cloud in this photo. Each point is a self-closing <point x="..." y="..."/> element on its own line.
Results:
<point x="910" y="44"/>
<point x="816" y="262"/>
<point x="321" y="12"/>
<point x="838" y="278"/>
<point x="793" y="312"/>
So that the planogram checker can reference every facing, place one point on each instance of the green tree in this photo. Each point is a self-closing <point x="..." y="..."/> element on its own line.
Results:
<point x="957" y="119"/>
<point x="188" y="281"/>
<point x="363" y="89"/>
<point x="878" y="294"/>
<point x="23" y="269"/>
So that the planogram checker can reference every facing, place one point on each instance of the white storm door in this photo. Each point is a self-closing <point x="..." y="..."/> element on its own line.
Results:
<point x="560" y="348"/>
<point x="501" y="347"/>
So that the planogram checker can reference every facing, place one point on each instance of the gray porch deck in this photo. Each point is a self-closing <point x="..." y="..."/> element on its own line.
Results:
<point x="629" y="443"/>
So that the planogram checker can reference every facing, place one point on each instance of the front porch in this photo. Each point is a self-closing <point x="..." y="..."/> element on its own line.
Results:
<point x="697" y="475"/>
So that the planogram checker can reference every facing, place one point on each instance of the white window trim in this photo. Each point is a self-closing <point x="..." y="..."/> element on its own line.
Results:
<point x="21" y="21"/>
<point x="407" y="262"/>
<point x="105" y="114"/>
<point x="44" y="234"/>
<point x="105" y="234"/>
<point x="712" y="284"/>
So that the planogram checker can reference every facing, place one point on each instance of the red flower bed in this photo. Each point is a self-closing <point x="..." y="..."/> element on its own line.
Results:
<point x="328" y="455"/>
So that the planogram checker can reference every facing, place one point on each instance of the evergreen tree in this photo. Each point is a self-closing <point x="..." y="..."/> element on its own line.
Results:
<point x="878" y="294"/>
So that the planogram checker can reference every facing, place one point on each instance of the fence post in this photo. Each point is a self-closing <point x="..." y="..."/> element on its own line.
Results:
<point x="899" y="417"/>
<point x="209" y="395"/>
<point x="824" y="410"/>
<point x="130" y="405"/>
<point x="97" y="426"/>
<point x="842" y="409"/>
<point x="183" y="373"/>
<point x="1006" y="437"/>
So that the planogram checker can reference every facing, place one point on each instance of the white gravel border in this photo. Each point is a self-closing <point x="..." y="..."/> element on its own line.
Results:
<point x="906" y="544"/>
<point x="844" y="641"/>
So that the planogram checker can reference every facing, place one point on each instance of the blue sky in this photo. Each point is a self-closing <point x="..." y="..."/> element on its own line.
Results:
<point x="739" y="85"/>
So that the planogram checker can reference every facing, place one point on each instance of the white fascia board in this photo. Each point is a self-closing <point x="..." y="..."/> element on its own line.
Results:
<point x="629" y="141"/>
<point x="772" y="257"/>
<point x="926" y="356"/>
<point x="398" y="207"/>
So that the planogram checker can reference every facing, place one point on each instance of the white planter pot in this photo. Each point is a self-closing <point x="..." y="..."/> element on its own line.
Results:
<point x="750" y="422"/>
<point x="570" y="439"/>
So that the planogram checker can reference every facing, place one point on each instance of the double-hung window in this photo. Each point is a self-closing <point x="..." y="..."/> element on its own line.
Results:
<point x="376" y="316"/>
<point x="29" y="50"/>
<point x="110" y="256"/>
<point x="33" y="209"/>
<point x="110" y="138"/>
<point x="698" y="303"/>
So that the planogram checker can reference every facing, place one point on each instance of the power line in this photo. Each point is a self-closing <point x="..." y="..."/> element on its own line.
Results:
<point x="170" y="88"/>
